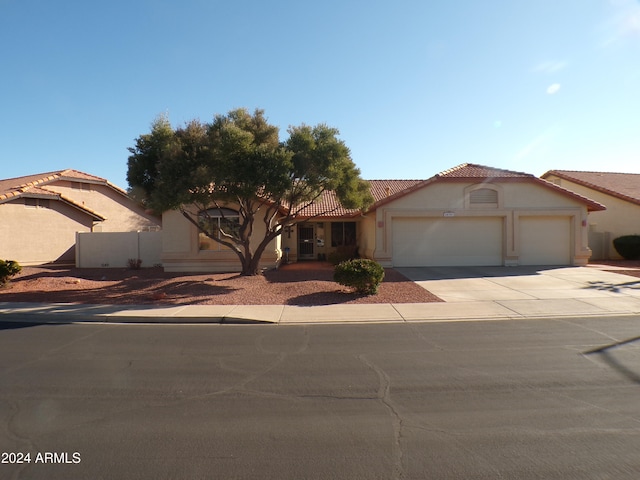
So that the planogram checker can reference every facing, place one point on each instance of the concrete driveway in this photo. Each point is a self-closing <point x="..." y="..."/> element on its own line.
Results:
<point x="561" y="289"/>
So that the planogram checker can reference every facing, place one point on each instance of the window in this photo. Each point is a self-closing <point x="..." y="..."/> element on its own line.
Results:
<point x="343" y="234"/>
<point x="214" y="220"/>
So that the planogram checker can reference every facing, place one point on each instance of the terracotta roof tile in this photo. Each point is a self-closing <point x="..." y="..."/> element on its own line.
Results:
<point x="384" y="191"/>
<point x="625" y="186"/>
<point x="472" y="170"/>
<point x="328" y="205"/>
<point x="35" y="186"/>
<point x="467" y="171"/>
<point x="12" y="187"/>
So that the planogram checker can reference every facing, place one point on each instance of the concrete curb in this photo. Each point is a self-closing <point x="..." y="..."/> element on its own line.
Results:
<point x="299" y="315"/>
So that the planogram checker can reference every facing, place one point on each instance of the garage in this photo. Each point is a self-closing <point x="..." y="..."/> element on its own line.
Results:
<point x="545" y="240"/>
<point x="455" y="241"/>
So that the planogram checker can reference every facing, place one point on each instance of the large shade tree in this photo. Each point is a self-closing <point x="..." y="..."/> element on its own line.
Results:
<point x="239" y="160"/>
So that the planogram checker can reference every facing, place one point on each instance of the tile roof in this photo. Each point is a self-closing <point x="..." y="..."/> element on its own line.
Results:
<point x="472" y="170"/>
<point x="625" y="186"/>
<point x="384" y="191"/>
<point x="12" y="187"/>
<point x="35" y="186"/>
<point x="328" y="205"/>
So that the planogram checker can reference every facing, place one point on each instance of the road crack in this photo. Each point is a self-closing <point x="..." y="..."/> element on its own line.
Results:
<point x="384" y="395"/>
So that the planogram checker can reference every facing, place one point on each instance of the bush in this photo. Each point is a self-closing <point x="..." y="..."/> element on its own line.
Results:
<point x="628" y="246"/>
<point x="362" y="274"/>
<point x="8" y="269"/>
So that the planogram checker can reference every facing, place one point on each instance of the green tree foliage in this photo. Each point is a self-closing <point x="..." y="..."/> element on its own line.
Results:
<point x="238" y="160"/>
<point x="143" y="163"/>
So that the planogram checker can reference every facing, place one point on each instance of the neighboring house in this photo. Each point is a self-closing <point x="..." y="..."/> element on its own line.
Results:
<point x="468" y="215"/>
<point x="620" y="192"/>
<point x="40" y="214"/>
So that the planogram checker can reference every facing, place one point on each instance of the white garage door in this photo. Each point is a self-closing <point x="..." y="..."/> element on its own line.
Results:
<point x="458" y="241"/>
<point x="545" y="241"/>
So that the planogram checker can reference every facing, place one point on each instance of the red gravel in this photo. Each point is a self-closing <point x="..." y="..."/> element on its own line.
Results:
<point x="623" y="267"/>
<point x="309" y="283"/>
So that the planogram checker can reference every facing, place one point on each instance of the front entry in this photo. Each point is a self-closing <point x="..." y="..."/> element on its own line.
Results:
<point x="306" y="240"/>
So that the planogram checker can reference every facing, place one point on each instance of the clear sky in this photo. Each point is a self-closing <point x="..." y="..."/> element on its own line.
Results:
<point x="414" y="86"/>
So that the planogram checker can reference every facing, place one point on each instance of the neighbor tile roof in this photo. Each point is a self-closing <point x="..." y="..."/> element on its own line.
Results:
<point x="12" y="187"/>
<point x="35" y="186"/>
<point x="625" y="186"/>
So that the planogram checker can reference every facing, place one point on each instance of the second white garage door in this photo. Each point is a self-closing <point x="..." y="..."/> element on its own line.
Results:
<point x="545" y="241"/>
<point x="421" y="242"/>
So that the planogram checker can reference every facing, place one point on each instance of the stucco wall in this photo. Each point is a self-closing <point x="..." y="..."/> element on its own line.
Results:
<point x="37" y="235"/>
<point x="114" y="249"/>
<point x="367" y="236"/>
<point x="517" y="200"/>
<point x="620" y="217"/>
<point x="122" y="214"/>
<point x="181" y="253"/>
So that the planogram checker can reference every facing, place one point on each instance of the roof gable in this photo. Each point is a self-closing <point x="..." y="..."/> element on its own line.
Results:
<point x="385" y="191"/>
<point x="472" y="170"/>
<point x="13" y="187"/>
<point x="31" y="186"/>
<point x="625" y="186"/>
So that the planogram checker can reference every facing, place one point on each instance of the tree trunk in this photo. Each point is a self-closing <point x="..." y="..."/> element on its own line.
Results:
<point x="251" y="261"/>
<point x="251" y="266"/>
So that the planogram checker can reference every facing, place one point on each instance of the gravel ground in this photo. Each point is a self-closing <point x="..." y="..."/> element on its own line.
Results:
<point x="309" y="283"/>
<point x="304" y="283"/>
<point x="623" y="267"/>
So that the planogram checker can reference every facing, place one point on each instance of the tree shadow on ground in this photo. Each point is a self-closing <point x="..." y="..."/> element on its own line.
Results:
<point x="127" y="292"/>
<point x="605" y="354"/>
<point x="318" y="271"/>
<point x="612" y="287"/>
<point x="323" y="298"/>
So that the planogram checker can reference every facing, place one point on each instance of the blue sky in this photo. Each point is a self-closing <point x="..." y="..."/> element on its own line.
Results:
<point x="414" y="86"/>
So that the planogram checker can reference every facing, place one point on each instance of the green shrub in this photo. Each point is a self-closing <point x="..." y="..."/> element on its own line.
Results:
<point x="362" y="274"/>
<point x="628" y="246"/>
<point x="8" y="269"/>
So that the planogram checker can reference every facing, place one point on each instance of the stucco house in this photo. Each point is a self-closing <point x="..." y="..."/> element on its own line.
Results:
<point x="467" y="215"/>
<point x="620" y="192"/>
<point x="41" y="214"/>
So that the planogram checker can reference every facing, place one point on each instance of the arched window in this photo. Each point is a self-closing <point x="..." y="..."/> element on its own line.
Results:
<point x="213" y="221"/>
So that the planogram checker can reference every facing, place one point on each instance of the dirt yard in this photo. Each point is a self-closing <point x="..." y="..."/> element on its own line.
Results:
<point x="305" y="283"/>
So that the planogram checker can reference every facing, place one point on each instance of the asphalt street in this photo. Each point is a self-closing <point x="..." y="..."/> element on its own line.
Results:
<point x="517" y="399"/>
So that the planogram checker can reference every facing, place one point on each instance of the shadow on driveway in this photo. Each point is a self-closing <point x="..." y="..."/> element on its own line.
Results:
<point x="418" y="274"/>
<point x="613" y="287"/>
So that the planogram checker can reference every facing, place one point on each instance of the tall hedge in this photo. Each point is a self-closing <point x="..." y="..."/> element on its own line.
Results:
<point x="628" y="246"/>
